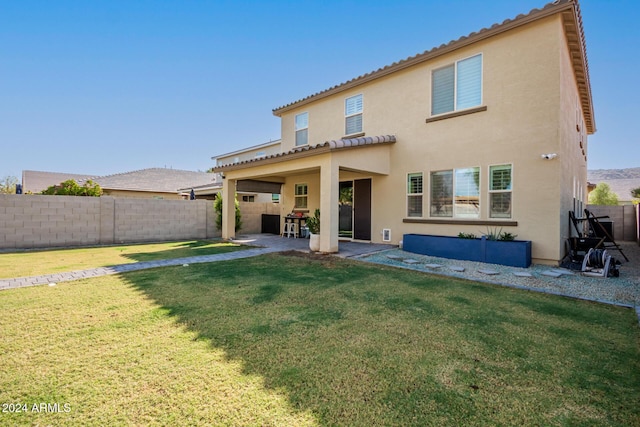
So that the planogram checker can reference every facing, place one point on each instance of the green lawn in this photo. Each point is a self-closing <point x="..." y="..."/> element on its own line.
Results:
<point x="291" y="340"/>
<point x="35" y="263"/>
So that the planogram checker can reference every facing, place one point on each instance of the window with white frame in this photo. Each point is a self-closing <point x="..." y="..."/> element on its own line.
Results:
<point x="302" y="129"/>
<point x="466" y="203"/>
<point x="414" y="195"/>
<point x="455" y="193"/>
<point x="500" y="189"/>
<point x="300" y="196"/>
<point x="441" y="202"/>
<point x="457" y="86"/>
<point x="353" y="115"/>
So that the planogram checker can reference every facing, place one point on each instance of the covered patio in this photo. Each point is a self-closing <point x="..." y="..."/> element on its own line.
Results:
<point x="321" y="168"/>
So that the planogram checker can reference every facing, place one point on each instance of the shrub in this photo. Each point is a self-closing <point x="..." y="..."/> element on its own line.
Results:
<point x="313" y="222"/>
<point x="71" y="188"/>
<point x="217" y="206"/>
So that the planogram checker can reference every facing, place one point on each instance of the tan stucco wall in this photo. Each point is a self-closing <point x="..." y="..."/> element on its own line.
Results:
<point x="531" y="97"/>
<point x="532" y="108"/>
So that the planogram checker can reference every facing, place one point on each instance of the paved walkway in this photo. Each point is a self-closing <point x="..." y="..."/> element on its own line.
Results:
<point x="264" y="244"/>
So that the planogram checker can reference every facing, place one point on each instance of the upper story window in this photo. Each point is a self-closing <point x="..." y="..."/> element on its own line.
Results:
<point x="353" y="114"/>
<point x="261" y="154"/>
<point x="457" y="86"/>
<point x="302" y="129"/>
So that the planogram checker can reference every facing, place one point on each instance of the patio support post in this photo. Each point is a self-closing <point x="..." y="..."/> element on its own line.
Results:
<point x="329" y="190"/>
<point x="229" y="209"/>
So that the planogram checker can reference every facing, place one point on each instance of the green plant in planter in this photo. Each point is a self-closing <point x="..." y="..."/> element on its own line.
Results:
<point x="498" y="234"/>
<point x="462" y="235"/>
<point x="507" y="237"/>
<point x="493" y="233"/>
<point x="313" y="222"/>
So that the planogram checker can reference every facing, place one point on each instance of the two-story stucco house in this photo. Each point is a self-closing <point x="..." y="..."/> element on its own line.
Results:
<point x="489" y="130"/>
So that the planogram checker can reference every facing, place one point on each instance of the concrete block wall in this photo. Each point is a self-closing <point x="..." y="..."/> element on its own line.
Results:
<point x="140" y="220"/>
<point x="252" y="215"/>
<point x="36" y="221"/>
<point x="623" y="217"/>
<point x="48" y="221"/>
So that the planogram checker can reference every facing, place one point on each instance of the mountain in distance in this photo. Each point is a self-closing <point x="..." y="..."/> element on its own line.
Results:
<point x="621" y="181"/>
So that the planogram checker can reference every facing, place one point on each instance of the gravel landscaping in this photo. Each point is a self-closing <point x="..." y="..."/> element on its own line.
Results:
<point x="623" y="290"/>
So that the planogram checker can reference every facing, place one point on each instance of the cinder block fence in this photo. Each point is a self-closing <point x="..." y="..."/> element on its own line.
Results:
<point x="30" y="221"/>
<point x="624" y="220"/>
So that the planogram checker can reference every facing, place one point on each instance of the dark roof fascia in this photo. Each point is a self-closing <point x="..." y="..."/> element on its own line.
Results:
<point x="485" y="33"/>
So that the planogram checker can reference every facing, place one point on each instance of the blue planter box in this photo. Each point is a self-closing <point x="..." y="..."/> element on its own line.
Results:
<point x="516" y="253"/>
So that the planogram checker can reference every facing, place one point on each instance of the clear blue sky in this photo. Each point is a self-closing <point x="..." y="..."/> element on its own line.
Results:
<point x="111" y="86"/>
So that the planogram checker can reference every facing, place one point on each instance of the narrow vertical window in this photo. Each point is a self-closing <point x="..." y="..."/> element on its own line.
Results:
<point x="302" y="129"/>
<point x="353" y="115"/>
<point x="500" y="189"/>
<point x="441" y="204"/>
<point x="414" y="195"/>
<point x="300" y="196"/>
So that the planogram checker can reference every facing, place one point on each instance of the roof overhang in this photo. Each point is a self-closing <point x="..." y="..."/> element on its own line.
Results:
<point x="572" y="21"/>
<point x="574" y="32"/>
<point x="310" y="150"/>
<point x="244" y="150"/>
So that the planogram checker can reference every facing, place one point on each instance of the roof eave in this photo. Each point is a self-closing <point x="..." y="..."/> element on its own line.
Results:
<point x="509" y="24"/>
<point x="574" y="32"/>
<point x="308" y="151"/>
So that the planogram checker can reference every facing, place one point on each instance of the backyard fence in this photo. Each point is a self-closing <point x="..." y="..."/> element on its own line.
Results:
<point x="625" y="220"/>
<point x="37" y="221"/>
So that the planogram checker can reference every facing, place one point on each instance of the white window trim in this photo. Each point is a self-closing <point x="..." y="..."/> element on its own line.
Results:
<point x="455" y="184"/>
<point x="360" y="113"/>
<point x="430" y="198"/>
<point x="415" y="194"/>
<point x="296" y="129"/>
<point x="453" y="192"/>
<point x="455" y="85"/>
<point x="490" y="191"/>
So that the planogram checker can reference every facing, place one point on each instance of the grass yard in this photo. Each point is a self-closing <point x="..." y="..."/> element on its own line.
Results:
<point x="36" y="263"/>
<point x="296" y="340"/>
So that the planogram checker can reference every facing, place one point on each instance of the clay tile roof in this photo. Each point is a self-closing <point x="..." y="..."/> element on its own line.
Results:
<point x="573" y="26"/>
<point x="309" y="150"/>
